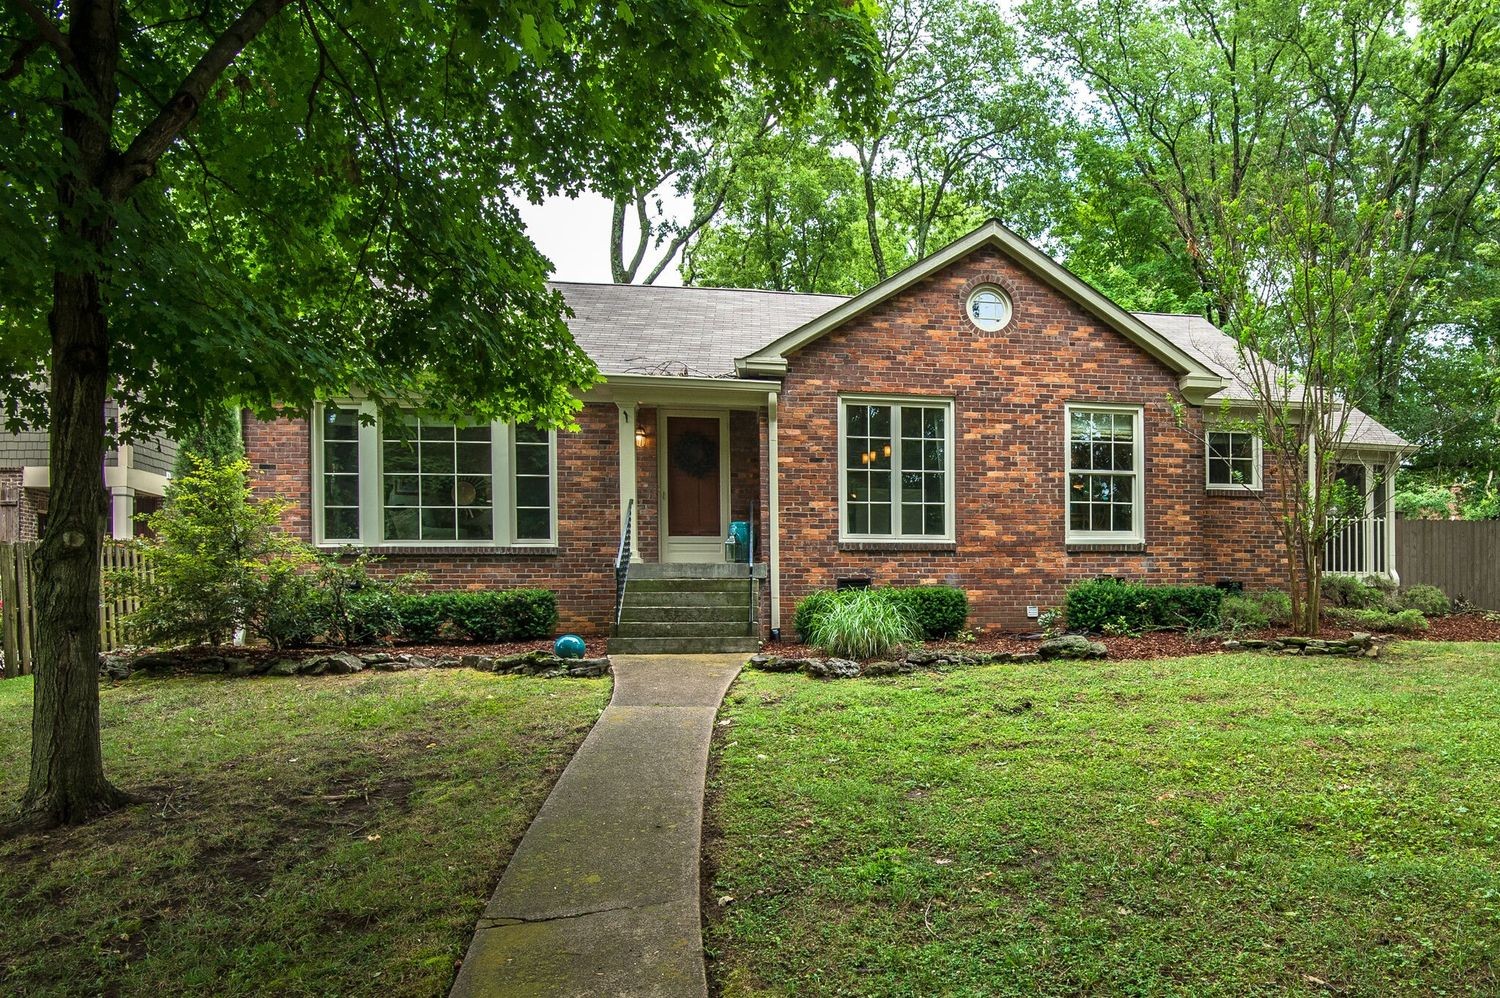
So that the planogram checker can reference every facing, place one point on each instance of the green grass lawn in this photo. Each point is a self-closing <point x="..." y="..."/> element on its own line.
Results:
<point x="331" y="835"/>
<point x="1226" y="824"/>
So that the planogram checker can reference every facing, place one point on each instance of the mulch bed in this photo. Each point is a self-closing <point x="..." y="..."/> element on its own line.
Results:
<point x="432" y="649"/>
<point x="1474" y="626"/>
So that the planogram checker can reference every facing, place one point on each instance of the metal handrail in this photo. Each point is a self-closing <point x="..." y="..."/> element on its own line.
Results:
<point x="750" y="560"/>
<point x="622" y="561"/>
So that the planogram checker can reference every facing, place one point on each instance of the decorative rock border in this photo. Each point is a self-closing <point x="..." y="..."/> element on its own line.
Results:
<point x="844" y="668"/>
<point x="1356" y="645"/>
<point x="534" y="663"/>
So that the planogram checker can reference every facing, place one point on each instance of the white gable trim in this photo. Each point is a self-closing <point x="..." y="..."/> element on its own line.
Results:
<point x="1196" y="381"/>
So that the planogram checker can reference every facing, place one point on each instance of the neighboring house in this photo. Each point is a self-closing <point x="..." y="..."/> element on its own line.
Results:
<point x="135" y="475"/>
<point x="983" y="419"/>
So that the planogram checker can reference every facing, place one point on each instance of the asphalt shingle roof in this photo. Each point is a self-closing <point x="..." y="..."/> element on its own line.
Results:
<point x="646" y="329"/>
<point x="636" y="329"/>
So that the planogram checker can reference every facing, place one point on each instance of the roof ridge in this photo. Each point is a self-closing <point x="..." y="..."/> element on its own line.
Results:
<point x="702" y="287"/>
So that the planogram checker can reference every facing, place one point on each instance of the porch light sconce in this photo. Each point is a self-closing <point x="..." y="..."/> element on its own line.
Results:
<point x="640" y="436"/>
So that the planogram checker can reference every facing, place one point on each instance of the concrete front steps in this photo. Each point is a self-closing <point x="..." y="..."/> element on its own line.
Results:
<point x="688" y="609"/>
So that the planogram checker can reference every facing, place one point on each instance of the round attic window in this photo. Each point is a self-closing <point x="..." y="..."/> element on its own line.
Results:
<point x="989" y="308"/>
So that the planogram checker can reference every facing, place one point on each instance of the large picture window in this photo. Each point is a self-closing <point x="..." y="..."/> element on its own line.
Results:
<point x="1105" y="457"/>
<point x="1233" y="460"/>
<point x="432" y="481"/>
<point x="896" y="468"/>
<point x="436" y="479"/>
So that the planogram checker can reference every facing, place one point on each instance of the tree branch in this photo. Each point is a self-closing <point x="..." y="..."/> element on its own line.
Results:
<point x="18" y="58"/>
<point x="47" y="28"/>
<point x="139" y="160"/>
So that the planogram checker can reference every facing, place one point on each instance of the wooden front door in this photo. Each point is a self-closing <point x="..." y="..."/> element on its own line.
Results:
<point x="694" y="461"/>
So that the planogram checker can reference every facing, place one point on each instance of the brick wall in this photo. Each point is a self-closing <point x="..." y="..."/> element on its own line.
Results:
<point x="1009" y="391"/>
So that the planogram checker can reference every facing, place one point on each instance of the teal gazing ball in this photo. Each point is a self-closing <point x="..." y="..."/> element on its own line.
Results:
<point x="568" y="646"/>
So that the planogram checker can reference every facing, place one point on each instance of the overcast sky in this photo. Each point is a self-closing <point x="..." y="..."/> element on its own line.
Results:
<point x="574" y="235"/>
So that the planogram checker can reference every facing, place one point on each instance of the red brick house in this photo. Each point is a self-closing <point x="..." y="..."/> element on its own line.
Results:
<point x="983" y="419"/>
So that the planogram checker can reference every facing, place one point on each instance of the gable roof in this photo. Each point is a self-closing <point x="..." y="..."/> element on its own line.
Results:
<point x="646" y="329"/>
<point x="716" y="333"/>
<point x="1196" y="379"/>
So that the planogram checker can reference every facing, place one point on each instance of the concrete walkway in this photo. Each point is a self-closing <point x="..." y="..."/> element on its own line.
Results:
<point x="601" y="897"/>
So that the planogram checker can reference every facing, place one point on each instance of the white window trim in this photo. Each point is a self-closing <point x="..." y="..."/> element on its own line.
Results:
<point x="950" y="471"/>
<point x="1137" y="533"/>
<point x="1010" y="308"/>
<point x="1256" y="482"/>
<point x="371" y="477"/>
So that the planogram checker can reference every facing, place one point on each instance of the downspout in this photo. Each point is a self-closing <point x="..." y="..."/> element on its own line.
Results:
<point x="773" y="533"/>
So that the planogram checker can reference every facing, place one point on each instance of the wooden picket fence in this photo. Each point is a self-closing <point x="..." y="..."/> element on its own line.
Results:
<point x="18" y="602"/>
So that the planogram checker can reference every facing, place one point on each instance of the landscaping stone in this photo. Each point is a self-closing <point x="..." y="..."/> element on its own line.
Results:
<point x="114" y="666"/>
<point x="832" y="668"/>
<point x="155" y="662"/>
<point x="1356" y="644"/>
<point x="338" y="664"/>
<point x="484" y="663"/>
<point x="886" y="668"/>
<point x="588" y="668"/>
<point x="1071" y="646"/>
<point x="245" y="666"/>
<point x="285" y="667"/>
<point x="775" y="663"/>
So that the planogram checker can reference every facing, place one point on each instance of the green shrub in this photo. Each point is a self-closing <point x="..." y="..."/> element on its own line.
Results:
<point x="1276" y="604"/>
<point x="289" y="611"/>
<point x="208" y="560"/>
<point x="810" y="608"/>
<point x="937" y="611"/>
<point x="863" y="623"/>
<point x="1255" y="611"/>
<point x="422" y="615"/>
<point x="1243" y="613"/>
<point x="1128" y="607"/>
<point x="1405" y="621"/>
<point x="360" y="608"/>
<point x="504" y="615"/>
<point x="1357" y="594"/>
<point x="1430" y="601"/>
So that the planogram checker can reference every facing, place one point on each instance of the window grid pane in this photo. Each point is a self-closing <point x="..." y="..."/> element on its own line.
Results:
<point x="437" y="483"/>
<point x="1231" y="458"/>
<point x="1101" y="472"/>
<point x="923" y="466"/>
<point x="340" y="474"/>
<point x="868" y="450"/>
<point x="533" y="462"/>
<point x="895" y="469"/>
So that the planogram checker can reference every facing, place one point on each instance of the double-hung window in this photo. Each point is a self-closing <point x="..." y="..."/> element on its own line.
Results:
<point x="896" y="468"/>
<point x="1233" y="460"/>
<point x="431" y="481"/>
<point x="1105" y="484"/>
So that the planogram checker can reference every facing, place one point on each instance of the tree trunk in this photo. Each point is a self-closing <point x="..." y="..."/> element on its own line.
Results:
<point x="67" y="783"/>
<point x="67" y="767"/>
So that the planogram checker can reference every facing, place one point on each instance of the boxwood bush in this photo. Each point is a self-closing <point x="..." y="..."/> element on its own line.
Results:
<point x="1097" y="604"/>
<point x="936" y="611"/>
<point x="423" y="615"/>
<point x="504" y="614"/>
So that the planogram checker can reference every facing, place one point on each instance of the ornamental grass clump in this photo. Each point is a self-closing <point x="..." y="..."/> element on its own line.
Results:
<point x="862" y="623"/>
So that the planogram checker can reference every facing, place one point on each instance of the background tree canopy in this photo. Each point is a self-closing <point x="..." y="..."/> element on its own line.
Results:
<point x="1142" y="141"/>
